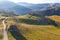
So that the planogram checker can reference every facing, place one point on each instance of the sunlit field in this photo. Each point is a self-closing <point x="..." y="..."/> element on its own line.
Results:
<point x="34" y="32"/>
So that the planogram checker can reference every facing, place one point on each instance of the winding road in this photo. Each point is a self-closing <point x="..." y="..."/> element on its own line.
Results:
<point x="5" y="36"/>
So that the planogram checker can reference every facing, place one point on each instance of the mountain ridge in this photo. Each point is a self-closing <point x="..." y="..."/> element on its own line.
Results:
<point x="8" y="6"/>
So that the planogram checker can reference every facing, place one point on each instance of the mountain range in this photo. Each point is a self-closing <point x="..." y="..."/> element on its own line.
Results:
<point x="34" y="6"/>
<point x="22" y="8"/>
<point x="8" y="6"/>
<point x="53" y="10"/>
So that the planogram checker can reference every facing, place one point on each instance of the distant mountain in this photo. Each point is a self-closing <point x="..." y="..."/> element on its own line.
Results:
<point x="20" y="10"/>
<point x="8" y="6"/>
<point x="38" y="6"/>
<point x="52" y="10"/>
<point x="34" y="6"/>
<point x="24" y="8"/>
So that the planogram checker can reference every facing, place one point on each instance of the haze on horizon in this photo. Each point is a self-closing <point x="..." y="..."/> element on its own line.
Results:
<point x="34" y="1"/>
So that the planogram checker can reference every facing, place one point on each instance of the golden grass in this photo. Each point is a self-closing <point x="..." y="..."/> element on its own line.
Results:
<point x="55" y="18"/>
<point x="1" y="34"/>
<point x="37" y="32"/>
<point x="10" y="36"/>
<point x="27" y="17"/>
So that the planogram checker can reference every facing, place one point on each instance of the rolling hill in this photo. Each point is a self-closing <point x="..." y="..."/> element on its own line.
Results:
<point x="26" y="30"/>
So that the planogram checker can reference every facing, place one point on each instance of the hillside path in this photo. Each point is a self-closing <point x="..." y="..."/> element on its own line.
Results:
<point x="5" y="36"/>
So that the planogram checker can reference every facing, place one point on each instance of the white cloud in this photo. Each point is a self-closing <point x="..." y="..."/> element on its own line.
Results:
<point x="3" y="0"/>
<point x="29" y="1"/>
<point x="35" y="1"/>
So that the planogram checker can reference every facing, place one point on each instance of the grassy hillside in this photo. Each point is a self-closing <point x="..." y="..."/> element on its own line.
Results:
<point x="19" y="30"/>
<point x="37" y="32"/>
<point x="1" y="33"/>
<point x="56" y="19"/>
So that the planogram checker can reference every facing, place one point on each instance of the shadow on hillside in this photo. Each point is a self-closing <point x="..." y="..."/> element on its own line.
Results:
<point x="16" y="33"/>
<point x="42" y="21"/>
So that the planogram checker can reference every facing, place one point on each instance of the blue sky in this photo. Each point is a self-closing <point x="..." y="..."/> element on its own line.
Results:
<point x="35" y="1"/>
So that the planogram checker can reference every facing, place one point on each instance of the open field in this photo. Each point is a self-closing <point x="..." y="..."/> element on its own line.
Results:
<point x="35" y="32"/>
<point x="32" y="32"/>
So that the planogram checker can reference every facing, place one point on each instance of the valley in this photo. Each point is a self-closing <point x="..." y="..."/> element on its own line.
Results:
<point x="28" y="21"/>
